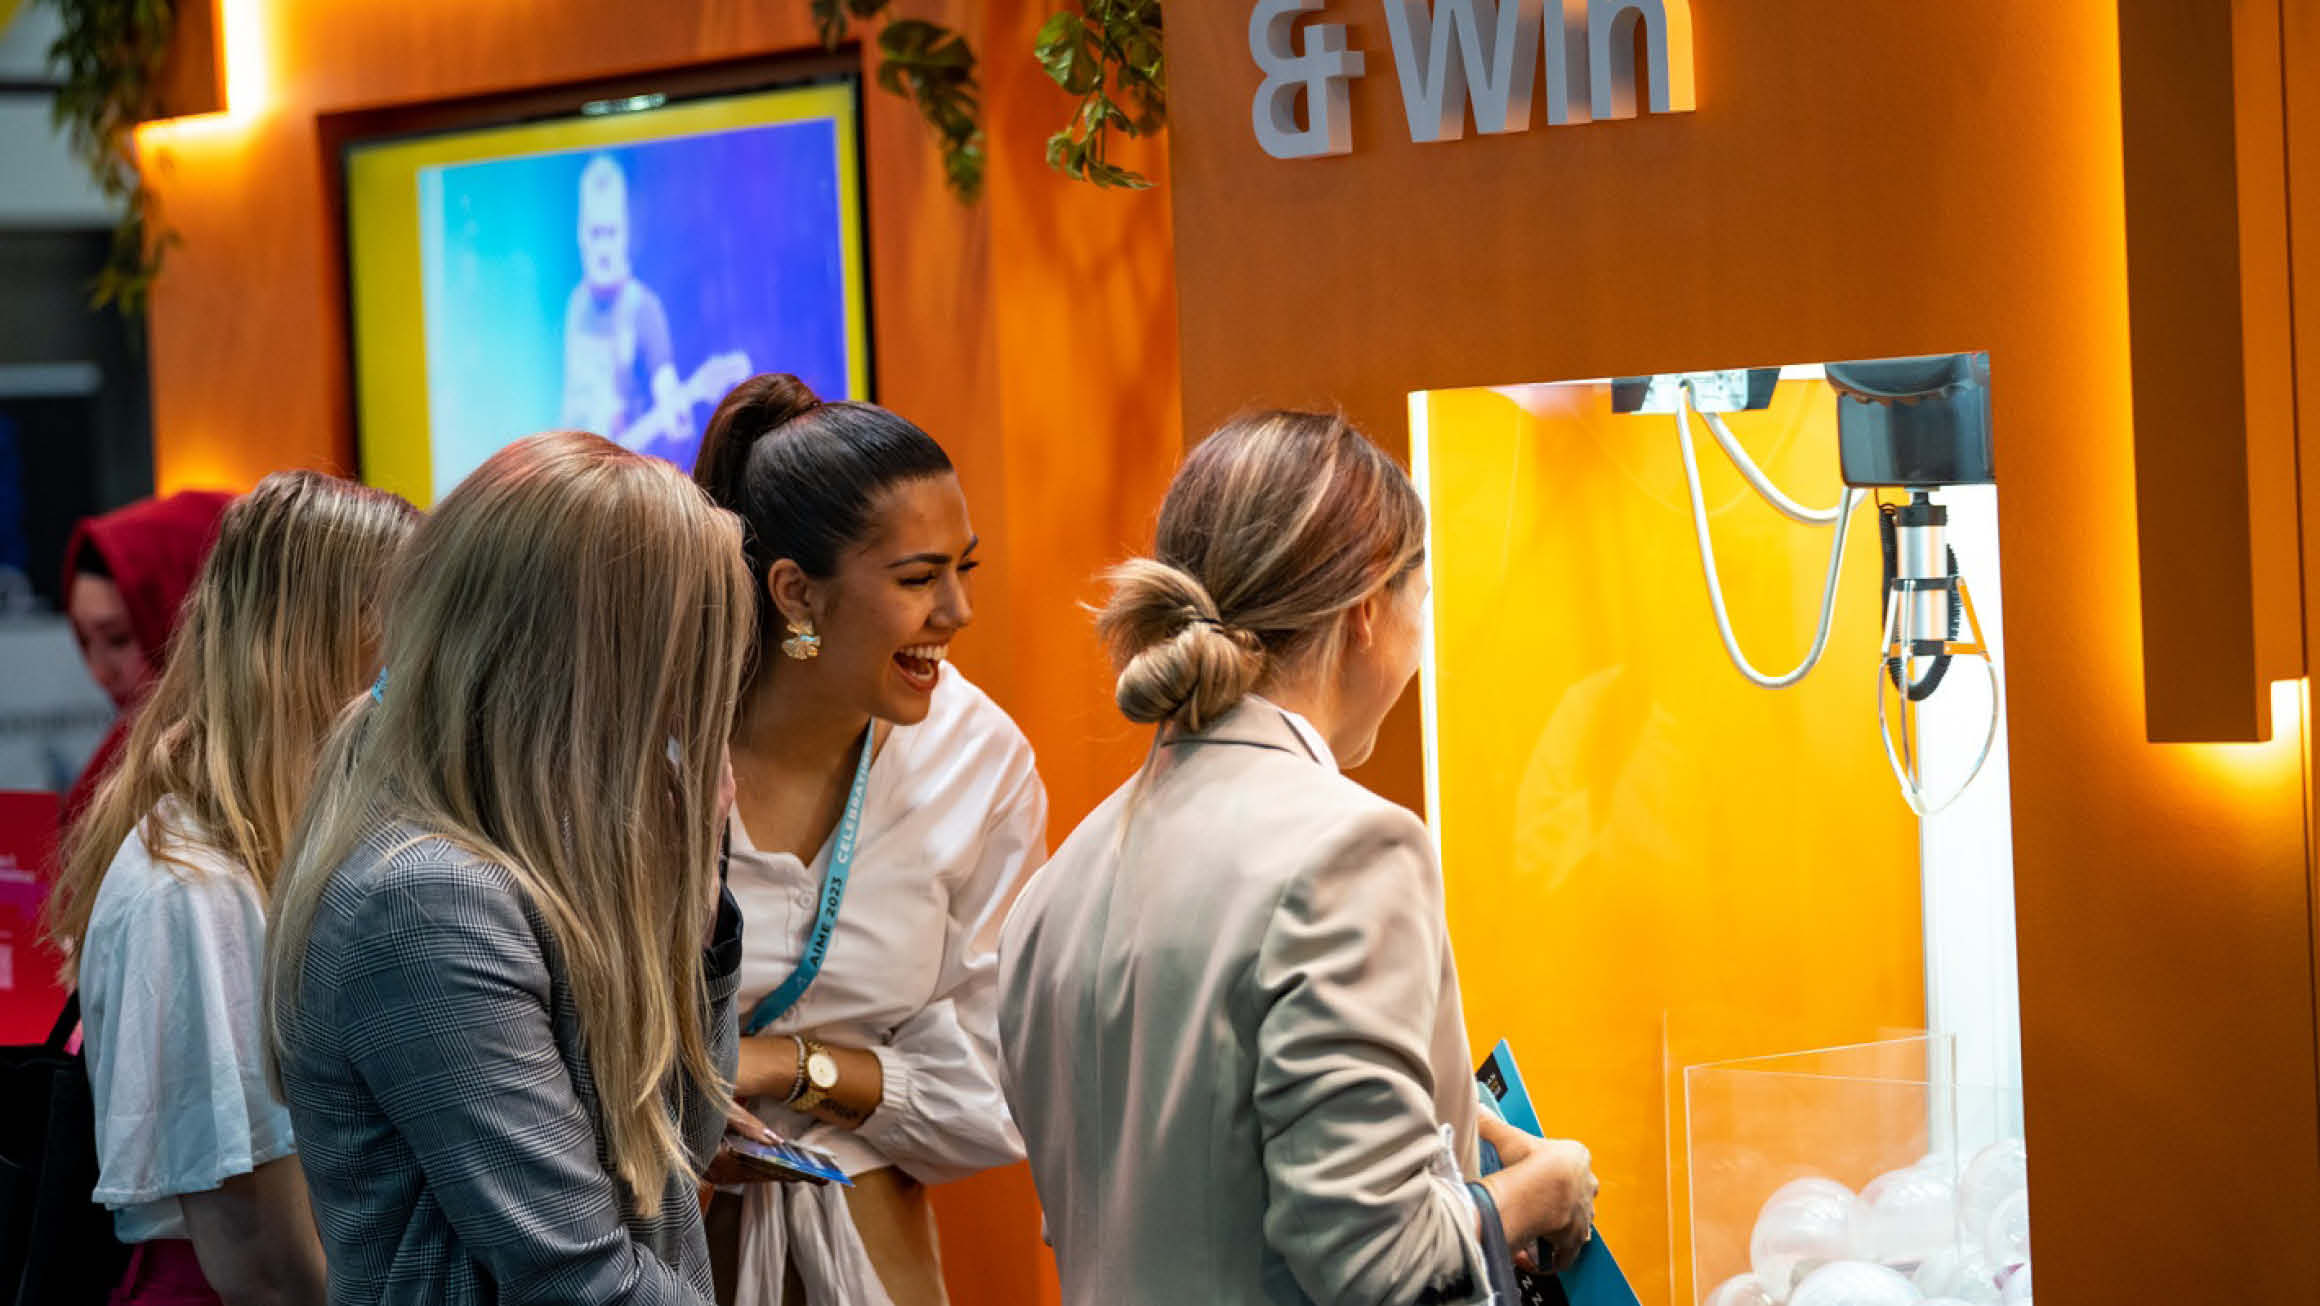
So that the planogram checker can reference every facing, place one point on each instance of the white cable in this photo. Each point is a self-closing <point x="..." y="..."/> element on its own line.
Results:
<point x="1843" y="516"/>
<point x="1755" y="476"/>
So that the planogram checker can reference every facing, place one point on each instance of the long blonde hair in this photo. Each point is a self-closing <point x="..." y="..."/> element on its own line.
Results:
<point x="280" y="628"/>
<point x="1274" y="528"/>
<point x="563" y="655"/>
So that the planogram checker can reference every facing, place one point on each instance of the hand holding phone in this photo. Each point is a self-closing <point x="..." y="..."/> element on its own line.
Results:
<point x="752" y="1153"/>
<point x="745" y="1160"/>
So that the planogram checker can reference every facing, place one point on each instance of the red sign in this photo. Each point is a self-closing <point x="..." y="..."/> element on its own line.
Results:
<point x="29" y="996"/>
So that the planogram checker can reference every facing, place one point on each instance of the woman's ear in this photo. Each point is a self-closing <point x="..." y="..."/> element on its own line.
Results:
<point x="792" y="591"/>
<point x="1361" y="620"/>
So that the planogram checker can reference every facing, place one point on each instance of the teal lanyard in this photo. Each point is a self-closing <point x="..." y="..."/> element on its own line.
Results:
<point x="773" y="1006"/>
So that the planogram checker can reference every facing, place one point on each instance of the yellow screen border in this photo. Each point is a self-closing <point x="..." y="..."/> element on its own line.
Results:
<point x="385" y="285"/>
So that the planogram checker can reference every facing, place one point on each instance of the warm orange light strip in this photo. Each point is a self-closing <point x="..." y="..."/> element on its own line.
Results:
<point x="2266" y="766"/>
<point x="248" y="88"/>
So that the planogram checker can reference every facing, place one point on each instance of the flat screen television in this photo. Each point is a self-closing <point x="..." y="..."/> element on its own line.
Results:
<point x="616" y="269"/>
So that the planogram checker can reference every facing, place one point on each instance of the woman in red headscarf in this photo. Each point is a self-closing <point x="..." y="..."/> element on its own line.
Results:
<point x="126" y="573"/>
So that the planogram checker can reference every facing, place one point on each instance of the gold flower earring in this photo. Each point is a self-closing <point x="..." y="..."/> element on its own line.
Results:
<point x="803" y="644"/>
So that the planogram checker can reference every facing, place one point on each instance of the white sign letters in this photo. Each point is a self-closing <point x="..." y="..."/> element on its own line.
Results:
<point x="1452" y="55"/>
<point x="1320" y="72"/>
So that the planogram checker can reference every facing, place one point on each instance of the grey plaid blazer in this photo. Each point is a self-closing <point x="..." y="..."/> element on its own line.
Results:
<point x="445" y="1112"/>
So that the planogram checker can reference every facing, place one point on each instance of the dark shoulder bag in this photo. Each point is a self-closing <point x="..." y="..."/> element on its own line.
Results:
<point x="56" y="1244"/>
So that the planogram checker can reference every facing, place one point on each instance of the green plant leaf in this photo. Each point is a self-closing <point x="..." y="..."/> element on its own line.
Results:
<point x="935" y="68"/>
<point x="110" y="54"/>
<point x="1057" y="44"/>
<point x="1110" y="55"/>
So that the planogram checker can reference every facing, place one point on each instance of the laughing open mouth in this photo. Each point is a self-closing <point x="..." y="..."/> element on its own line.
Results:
<point x="921" y="664"/>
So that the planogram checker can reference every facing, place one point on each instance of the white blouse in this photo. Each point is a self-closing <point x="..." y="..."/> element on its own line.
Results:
<point x="169" y="978"/>
<point x="954" y="817"/>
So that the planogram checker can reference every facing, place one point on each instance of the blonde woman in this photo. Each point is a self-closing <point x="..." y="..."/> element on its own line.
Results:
<point x="161" y="904"/>
<point x="887" y="812"/>
<point x="501" y="974"/>
<point x="1230" y="1016"/>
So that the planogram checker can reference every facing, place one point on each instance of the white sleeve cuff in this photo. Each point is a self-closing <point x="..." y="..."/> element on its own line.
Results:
<point x="897" y="1098"/>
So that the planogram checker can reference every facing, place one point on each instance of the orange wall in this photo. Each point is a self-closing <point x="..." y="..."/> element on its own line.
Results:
<point x="2301" y="33"/>
<point x="1734" y="865"/>
<point x="1034" y="335"/>
<point x="1862" y="179"/>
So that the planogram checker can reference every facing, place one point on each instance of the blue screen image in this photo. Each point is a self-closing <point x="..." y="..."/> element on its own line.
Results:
<point x="624" y="290"/>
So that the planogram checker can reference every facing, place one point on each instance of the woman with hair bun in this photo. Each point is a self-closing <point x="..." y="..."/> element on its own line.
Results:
<point x="1232" y="1029"/>
<point x="887" y="810"/>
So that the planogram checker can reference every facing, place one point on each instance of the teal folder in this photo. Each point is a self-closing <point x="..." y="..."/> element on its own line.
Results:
<point x="1595" y="1279"/>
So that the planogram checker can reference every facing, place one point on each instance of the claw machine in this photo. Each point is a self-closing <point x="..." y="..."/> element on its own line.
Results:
<point x="1865" y="716"/>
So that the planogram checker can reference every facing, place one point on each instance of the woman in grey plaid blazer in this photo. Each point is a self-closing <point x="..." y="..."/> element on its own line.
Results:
<point x="501" y="977"/>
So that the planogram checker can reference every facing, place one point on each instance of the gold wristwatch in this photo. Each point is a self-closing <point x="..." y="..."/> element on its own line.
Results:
<point x="820" y="1079"/>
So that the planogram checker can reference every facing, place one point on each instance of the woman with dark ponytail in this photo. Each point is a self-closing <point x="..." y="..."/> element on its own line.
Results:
<point x="1234" y="1037"/>
<point x="887" y="811"/>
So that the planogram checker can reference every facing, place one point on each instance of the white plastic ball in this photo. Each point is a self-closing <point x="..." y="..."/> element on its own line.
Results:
<point x="1740" y="1290"/>
<point x="1996" y="1173"/>
<point x="1904" y="1217"/>
<point x="1855" y="1283"/>
<point x="1809" y="1186"/>
<point x="2006" y="1238"/>
<point x="1805" y="1226"/>
<point x="1958" y="1274"/>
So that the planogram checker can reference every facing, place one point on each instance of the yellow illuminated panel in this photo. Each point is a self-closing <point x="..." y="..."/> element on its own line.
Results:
<point x="1651" y="863"/>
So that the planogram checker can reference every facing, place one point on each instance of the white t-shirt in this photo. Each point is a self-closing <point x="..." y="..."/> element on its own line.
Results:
<point x="170" y="982"/>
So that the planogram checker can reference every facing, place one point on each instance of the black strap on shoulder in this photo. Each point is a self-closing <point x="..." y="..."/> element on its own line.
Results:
<point x="66" y="1020"/>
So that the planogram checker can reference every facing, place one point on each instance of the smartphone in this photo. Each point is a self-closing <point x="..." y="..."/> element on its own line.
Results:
<point x="788" y="1161"/>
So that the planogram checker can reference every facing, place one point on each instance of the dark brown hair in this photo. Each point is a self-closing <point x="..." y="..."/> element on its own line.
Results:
<point x="803" y="475"/>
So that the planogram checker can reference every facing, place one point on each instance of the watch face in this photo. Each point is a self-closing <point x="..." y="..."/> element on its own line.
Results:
<point x="822" y="1071"/>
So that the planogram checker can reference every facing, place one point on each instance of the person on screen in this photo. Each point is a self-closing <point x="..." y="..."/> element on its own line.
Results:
<point x="620" y="367"/>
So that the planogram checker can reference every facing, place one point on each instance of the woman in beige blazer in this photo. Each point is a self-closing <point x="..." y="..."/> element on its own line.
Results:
<point x="1229" y="1017"/>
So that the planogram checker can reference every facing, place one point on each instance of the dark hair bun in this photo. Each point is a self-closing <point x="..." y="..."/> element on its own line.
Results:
<point x="751" y="411"/>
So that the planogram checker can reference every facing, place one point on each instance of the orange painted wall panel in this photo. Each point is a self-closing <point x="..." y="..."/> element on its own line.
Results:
<point x="2301" y="42"/>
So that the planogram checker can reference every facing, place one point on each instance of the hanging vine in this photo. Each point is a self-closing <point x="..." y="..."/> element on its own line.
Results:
<point x="933" y="68"/>
<point x="111" y="54"/>
<point x="1106" y="52"/>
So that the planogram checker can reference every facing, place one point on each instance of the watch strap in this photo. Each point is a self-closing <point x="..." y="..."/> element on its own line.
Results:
<point x="798" y="1083"/>
<point x="1497" y="1256"/>
<point x="810" y="1095"/>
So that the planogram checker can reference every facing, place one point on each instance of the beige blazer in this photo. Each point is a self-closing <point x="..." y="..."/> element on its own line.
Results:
<point x="1230" y="1034"/>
